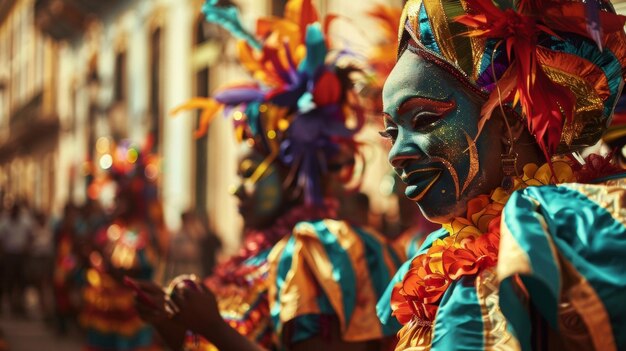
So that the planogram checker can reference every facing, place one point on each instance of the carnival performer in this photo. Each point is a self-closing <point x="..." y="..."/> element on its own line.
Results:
<point x="486" y="109"/>
<point x="122" y="247"/>
<point x="303" y="279"/>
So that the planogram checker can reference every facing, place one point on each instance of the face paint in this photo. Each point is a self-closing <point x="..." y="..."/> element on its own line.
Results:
<point x="431" y="119"/>
<point x="260" y="201"/>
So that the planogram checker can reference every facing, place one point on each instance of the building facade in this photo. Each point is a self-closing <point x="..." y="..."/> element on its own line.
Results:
<point x="29" y="116"/>
<point x="76" y="75"/>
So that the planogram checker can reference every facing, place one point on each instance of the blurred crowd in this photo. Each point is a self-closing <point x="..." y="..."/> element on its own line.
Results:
<point x="44" y="260"/>
<point x="27" y="242"/>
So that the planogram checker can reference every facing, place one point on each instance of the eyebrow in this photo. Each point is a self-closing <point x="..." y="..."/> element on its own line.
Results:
<point x="418" y="102"/>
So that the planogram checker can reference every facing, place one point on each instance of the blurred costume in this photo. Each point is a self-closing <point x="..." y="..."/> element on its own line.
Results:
<point x="538" y="263"/>
<point x="124" y="246"/>
<point x="308" y="270"/>
<point x="108" y="312"/>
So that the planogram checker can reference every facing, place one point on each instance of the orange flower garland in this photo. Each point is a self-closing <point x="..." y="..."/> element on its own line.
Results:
<point x="471" y="247"/>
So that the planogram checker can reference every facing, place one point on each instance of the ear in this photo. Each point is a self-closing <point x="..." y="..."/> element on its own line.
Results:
<point x="512" y="129"/>
<point x="518" y="128"/>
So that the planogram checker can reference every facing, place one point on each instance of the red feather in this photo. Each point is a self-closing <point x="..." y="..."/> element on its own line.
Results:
<point x="327" y="90"/>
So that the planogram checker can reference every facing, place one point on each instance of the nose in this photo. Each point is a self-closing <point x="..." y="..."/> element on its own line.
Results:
<point x="238" y="190"/>
<point x="403" y="151"/>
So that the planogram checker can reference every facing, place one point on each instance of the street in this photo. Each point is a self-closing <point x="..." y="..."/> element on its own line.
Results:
<point x="32" y="335"/>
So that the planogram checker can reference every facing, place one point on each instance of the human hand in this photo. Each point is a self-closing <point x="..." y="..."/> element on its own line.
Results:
<point x="152" y="303"/>
<point x="198" y="311"/>
<point x="150" y="300"/>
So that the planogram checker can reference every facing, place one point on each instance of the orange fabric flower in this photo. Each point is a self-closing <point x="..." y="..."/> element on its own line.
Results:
<point x="405" y="308"/>
<point x="400" y="305"/>
<point x="476" y="255"/>
<point x="423" y="285"/>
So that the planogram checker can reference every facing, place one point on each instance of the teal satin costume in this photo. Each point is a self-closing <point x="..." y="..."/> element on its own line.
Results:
<point x="328" y="270"/>
<point x="560" y="280"/>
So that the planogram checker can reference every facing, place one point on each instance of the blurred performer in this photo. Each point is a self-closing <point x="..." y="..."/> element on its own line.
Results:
<point x="121" y="248"/>
<point x="66" y="269"/>
<point x="302" y="280"/>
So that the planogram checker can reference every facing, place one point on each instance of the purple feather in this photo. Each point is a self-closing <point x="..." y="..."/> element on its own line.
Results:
<point x="236" y="96"/>
<point x="289" y="95"/>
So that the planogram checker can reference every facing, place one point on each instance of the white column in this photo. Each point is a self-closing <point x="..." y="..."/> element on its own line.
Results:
<point x="177" y="132"/>
<point x="138" y="76"/>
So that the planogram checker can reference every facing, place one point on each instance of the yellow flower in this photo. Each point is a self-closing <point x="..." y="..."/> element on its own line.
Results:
<point x="536" y="176"/>
<point x="501" y="196"/>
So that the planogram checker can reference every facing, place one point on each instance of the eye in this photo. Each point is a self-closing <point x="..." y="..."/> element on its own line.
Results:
<point x="390" y="134"/>
<point x="246" y="169"/>
<point x="391" y="129"/>
<point x="424" y="120"/>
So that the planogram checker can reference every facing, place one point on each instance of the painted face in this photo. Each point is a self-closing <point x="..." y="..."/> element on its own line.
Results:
<point x="431" y="119"/>
<point x="260" y="201"/>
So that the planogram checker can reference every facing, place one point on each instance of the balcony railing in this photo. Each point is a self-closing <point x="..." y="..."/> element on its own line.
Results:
<point x="67" y="19"/>
<point x="28" y="125"/>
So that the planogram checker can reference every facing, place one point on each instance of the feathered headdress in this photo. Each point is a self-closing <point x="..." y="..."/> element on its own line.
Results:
<point x="300" y="108"/>
<point x="560" y="63"/>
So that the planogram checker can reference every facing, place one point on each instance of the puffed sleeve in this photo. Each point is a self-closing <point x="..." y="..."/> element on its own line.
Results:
<point x="566" y="246"/>
<point x="328" y="269"/>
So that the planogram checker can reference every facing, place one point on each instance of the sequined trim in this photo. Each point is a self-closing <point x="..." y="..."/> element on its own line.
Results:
<point x="496" y="334"/>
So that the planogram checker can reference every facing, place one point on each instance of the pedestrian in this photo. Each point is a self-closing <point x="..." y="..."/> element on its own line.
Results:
<point x="41" y="264"/>
<point x="16" y="237"/>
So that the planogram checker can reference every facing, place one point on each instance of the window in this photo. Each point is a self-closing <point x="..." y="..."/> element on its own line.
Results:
<point x="119" y="93"/>
<point x="155" y="87"/>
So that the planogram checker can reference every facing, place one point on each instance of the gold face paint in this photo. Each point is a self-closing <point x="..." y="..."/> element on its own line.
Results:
<point x="474" y="162"/>
<point x="260" y="191"/>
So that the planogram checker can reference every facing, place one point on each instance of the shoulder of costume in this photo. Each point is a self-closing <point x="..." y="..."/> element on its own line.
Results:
<point x="329" y="233"/>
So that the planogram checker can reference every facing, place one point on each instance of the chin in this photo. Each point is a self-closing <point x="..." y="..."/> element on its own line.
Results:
<point x="442" y="214"/>
<point x="439" y="219"/>
<point x="247" y="225"/>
